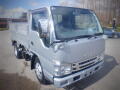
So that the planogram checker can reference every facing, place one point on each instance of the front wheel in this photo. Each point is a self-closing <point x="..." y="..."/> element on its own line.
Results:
<point x="39" y="71"/>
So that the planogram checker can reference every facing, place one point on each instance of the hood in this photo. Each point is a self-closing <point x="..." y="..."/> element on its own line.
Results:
<point x="81" y="50"/>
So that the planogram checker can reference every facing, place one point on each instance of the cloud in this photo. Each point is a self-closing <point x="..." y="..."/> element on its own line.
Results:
<point x="73" y="3"/>
<point x="35" y="4"/>
<point x="64" y="3"/>
<point x="11" y="13"/>
<point x="19" y="9"/>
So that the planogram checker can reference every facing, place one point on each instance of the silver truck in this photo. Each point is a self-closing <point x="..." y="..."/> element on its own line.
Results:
<point x="63" y="44"/>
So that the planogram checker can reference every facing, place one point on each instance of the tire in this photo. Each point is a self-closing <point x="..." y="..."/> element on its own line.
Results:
<point x="115" y="36"/>
<point x="17" y="52"/>
<point x="39" y="71"/>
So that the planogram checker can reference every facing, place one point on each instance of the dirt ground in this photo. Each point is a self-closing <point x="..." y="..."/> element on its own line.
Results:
<point x="16" y="82"/>
<point x="16" y="74"/>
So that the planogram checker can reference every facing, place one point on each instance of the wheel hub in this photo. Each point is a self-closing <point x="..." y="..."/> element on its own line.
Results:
<point x="15" y="51"/>
<point x="38" y="70"/>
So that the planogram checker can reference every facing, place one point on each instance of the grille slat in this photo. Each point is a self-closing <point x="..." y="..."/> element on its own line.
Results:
<point x="84" y="64"/>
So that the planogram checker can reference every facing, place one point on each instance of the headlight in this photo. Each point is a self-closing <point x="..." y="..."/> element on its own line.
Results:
<point x="101" y="57"/>
<point x="63" y="69"/>
<point x="59" y="46"/>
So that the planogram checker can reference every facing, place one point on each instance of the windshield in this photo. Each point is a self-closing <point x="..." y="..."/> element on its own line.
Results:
<point x="74" y="22"/>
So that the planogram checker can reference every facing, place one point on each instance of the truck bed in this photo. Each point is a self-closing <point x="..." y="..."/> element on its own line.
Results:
<point x="19" y="32"/>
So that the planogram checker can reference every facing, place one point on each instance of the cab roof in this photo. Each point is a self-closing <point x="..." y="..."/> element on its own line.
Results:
<point x="58" y="6"/>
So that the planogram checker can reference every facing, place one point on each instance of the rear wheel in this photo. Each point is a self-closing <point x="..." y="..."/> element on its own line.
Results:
<point x="39" y="71"/>
<point x="18" y="52"/>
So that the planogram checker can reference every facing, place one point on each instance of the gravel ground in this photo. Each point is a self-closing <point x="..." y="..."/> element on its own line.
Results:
<point x="16" y="74"/>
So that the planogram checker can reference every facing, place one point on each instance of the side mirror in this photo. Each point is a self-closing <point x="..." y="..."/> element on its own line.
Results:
<point x="43" y="27"/>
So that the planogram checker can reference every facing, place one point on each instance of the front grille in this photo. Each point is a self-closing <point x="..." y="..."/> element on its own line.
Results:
<point x="84" y="64"/>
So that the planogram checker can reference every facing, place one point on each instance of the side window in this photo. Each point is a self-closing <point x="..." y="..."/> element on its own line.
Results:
<point x="40" y="15"/>
<point x="37" y="16"/>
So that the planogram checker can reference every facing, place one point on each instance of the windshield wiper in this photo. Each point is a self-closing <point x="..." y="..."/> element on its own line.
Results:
<point x="92" y="36"/>
<point x="64" y="40"/>
<point x="78" y="37"/>
<point x="98" y="34"/>
<point x="84" y="36"/>
<point x="95" y="35"/>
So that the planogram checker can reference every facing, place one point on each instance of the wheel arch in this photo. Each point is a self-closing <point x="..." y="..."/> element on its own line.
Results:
<point x="13" y="42"/>
<point x="33" y="61"/>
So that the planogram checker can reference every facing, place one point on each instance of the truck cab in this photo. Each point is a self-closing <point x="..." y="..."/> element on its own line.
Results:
<point x="65" y="44"/>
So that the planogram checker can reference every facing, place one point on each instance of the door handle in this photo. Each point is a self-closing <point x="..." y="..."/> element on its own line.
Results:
<point x="32" y="43"/>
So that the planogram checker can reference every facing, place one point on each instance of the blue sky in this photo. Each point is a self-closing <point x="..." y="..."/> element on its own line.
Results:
<point x="27" y="4"/>
<point x="11" y="8"/>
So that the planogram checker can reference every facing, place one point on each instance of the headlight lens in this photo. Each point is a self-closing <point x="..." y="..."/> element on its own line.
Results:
<point x="63" y="69"/>
<point x="101" y="57"/>
<point x="58" y="47"/>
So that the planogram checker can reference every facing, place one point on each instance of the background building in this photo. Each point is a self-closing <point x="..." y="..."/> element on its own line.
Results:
<point x="4" y="21"/>
<point x="106" y="10"/>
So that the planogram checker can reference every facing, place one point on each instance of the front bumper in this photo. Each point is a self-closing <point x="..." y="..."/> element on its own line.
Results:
<point x="62" y="82"/>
